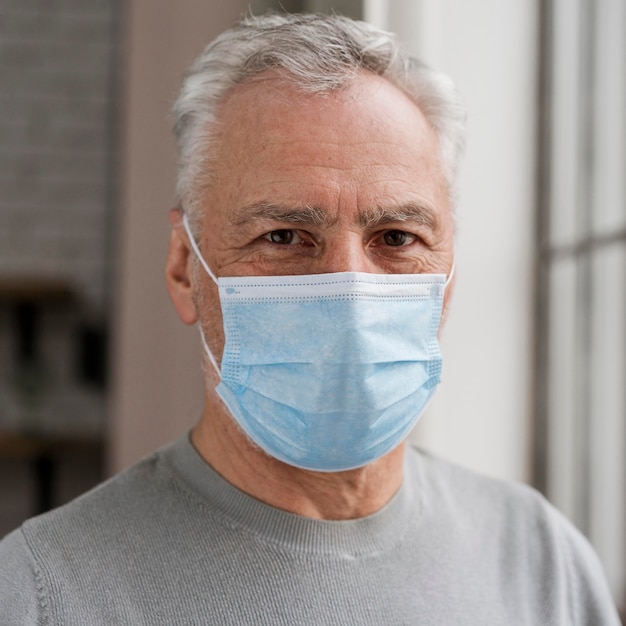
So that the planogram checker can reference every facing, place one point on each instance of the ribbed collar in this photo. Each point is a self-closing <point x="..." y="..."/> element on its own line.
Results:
<point x="365" y="536"/>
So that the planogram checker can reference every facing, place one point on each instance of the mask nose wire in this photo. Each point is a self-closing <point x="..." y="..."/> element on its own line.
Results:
<point x="196" y="250"/>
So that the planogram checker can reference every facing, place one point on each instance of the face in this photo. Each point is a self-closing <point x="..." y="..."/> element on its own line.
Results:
<point x="308" y="184"/>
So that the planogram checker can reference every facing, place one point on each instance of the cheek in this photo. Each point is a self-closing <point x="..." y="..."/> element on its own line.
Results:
<point x="206" y="300"/>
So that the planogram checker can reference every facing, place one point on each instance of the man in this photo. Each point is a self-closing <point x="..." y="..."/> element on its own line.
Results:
<point x="313" y="246"/>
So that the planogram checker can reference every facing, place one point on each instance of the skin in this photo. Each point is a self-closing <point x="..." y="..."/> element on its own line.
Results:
<point x="308" y="184"/>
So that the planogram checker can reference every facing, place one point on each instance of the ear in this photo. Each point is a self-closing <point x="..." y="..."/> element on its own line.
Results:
<point x="178" y="271"/>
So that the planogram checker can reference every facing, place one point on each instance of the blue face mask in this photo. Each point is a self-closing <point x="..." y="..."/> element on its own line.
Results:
<point x="328" y="372"/>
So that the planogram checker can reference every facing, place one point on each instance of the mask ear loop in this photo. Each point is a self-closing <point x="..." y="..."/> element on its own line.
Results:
<point x="194" y="247"/>
<point x="205" y="265"/>
<point x="208" y="352"/>
<point x="451" y="274"/>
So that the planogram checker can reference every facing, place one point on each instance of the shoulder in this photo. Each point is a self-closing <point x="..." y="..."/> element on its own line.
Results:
<point x="22" y="597"/>
<point x="515" y="529"/>
<point x="106" y="512"/>
<point x="489" y="504"/>
<point x="54" y="555"/>
<point x="103" y="514"/>
<point x="456" y="487"/>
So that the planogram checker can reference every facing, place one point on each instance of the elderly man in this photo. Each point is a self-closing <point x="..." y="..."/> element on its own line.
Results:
<point x="313" y="246"/>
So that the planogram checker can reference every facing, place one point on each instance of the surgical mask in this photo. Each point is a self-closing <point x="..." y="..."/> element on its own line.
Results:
<point x="328" y="372"/>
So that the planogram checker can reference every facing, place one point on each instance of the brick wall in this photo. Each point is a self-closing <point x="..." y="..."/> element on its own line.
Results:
<point x="56" y="188"/>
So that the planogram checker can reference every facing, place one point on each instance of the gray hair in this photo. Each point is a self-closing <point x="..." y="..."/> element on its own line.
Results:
<point x="317" y="54"/>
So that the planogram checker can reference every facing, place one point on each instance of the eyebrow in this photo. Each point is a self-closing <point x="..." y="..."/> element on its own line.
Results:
<point x="411" y="212"/>
<point x="368" y="218"/>
<point x="281" y="213"/>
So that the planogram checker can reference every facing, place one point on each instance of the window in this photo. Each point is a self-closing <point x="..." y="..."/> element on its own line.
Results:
<point x="581" y="321"/>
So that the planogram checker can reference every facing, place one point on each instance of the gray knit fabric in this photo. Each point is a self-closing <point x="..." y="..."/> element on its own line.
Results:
<point x="170" y="542"/>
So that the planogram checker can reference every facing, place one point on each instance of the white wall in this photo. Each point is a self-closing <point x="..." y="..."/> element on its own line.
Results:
<point x="481" y="416"/>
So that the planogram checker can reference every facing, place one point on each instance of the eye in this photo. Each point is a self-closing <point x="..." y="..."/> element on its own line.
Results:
<point x="398" y="238"/>
<point x="283" y="236"/>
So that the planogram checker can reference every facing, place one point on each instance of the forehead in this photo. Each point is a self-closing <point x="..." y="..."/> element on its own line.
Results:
<point x="367" y="142"/>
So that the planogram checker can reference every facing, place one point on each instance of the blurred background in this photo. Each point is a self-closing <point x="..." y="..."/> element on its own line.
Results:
<point x="95" y="368"/>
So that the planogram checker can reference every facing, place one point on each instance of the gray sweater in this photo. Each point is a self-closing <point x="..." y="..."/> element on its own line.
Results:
<point x="171" y="542"/>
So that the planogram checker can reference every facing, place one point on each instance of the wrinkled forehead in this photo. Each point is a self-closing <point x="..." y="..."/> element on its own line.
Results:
<point x="271" y="107"/>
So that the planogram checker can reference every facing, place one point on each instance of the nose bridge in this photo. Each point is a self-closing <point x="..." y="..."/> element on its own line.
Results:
<point x="345" y="252"/>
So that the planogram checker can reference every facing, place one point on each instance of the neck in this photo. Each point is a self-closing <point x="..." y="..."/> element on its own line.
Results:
<point x="332" y="496"/>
